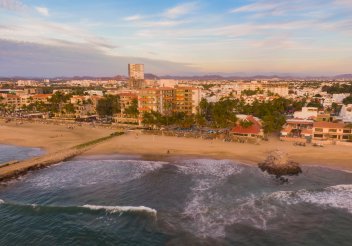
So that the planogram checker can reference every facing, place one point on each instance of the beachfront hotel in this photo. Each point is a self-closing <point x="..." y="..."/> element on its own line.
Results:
<point x="166" y="100"/>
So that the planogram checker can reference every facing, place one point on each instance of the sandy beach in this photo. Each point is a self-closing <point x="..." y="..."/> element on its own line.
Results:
<point x="52" y="138"/>
<point x="132" y="143"/>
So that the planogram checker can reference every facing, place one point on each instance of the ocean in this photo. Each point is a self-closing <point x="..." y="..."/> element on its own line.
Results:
<point x="11" y="153"/>
<point x="134" y="200"/>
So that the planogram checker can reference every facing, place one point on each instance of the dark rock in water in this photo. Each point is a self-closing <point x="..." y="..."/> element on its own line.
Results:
<point x="277" y="164"/>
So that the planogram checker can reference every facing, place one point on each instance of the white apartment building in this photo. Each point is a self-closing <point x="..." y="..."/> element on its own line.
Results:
<point x="136" y="71"/>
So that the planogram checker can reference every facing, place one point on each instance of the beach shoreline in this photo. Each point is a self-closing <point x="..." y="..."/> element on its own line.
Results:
<point x="52" y="138"/>
<point x="336" y="157"/>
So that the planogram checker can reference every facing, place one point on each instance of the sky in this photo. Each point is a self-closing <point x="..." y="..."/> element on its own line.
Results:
<point x="227" y="37"/>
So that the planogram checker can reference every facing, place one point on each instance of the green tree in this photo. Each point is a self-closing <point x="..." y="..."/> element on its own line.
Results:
<point x="246" y="123"/>
<point x="347" y="100"/>
<point x="58" y="100"/>
<point x="108" y="106"/>
<point x="69" y="108"/>
<point x="132" y="110"/>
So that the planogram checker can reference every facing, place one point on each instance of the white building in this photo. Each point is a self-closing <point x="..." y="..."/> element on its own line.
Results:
<point x="339" y="97"/>
<point x="168" y="83"/>
<point x="276" y="88"/>
<point x="346" y="113"/>
<point x="136" y="71"/>
<point x="306" y="113"/>
<point x="94" y="93"/>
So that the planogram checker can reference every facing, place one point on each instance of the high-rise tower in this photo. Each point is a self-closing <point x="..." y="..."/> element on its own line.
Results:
<point x="136" y="71"/>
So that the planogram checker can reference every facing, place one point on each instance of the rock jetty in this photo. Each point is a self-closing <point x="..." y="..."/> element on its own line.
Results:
<point x="278" y="164"/>
<point x="15" y="169"/>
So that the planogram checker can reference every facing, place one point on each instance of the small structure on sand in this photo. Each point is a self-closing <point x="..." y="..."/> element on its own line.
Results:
<point x="278" y="164"/>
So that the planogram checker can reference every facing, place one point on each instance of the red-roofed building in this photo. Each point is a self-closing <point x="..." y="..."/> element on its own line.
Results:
<point x="248" y="127"/>
<point x="41" y="98"/>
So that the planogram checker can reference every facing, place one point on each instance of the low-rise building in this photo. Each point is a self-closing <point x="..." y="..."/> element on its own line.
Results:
<point x="346" y="113"/>
<point x="248" y="126"/>
<point x="297" y="130"/>
<point x="331" y="132"/>
<point x="306" y="113"/>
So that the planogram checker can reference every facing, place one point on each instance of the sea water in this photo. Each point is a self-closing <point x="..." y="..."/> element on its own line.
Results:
<point x="12" y="153"/>
<point x="119" y="200"/>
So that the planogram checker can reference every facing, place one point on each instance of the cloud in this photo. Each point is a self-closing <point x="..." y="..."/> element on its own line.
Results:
<point x="34" y="30"/>
<point x="13" y="5"/>
<point x="265" y="8"/>
<point x="42" y="10"/>
<point x="162" y="23"/>
<point x="257" y="7"/>
<point x="29" y="59"/>
<point x="180" y="10"/>
<point x="133" y="18"/>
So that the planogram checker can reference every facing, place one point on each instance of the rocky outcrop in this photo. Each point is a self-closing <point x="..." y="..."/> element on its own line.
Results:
<point x="278" y="164"/>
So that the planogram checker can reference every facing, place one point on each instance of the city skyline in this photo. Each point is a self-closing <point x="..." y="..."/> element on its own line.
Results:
<point x="47" y="38"/>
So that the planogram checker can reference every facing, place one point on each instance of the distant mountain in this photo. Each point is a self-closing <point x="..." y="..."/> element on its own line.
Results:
<point x="15" y="78"/>
<point x="239" y="76"/>
<point x="343" y="76"/>
<point x="151" y="76"/>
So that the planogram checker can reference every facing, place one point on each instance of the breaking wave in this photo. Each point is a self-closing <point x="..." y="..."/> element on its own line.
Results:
<point x="87" y="207"/>
<point x="205" y="209"/>
<point x="84" y="173"/>
<point x="338" y="196"/>
<point x="122" y="209"/>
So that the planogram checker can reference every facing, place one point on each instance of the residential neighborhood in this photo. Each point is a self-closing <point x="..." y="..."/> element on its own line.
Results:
<point x="298" y="111"/>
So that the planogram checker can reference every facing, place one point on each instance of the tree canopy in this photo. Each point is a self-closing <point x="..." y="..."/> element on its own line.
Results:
<point x="347" y="100"/>
<point x="108" y="106"/>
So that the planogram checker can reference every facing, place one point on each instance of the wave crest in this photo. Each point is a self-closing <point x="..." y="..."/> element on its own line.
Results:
<point x="121" y="209"/>
<point x="338" y="196"/>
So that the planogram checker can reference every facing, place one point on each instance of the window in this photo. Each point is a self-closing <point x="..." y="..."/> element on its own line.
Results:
<point x="318" y="135"/>
<point x="346" y="131"/>
<point x="332" y="130"/>
<point x="319" y="129"/>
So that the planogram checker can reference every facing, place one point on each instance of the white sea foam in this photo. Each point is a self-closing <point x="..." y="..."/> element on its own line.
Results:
<point x="339" y="196"/>
<point x="209" y="211"/>
<point x="91" y="172"/>
<point x="122" y="209"/>
<point x="2" y="201"/>
<point x="217" y="168"/>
